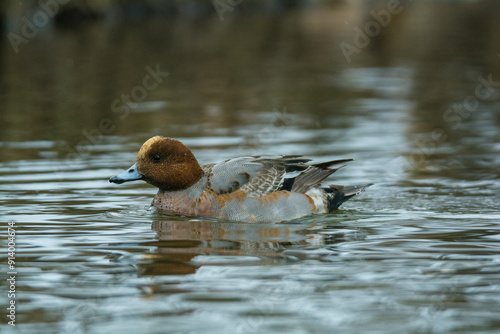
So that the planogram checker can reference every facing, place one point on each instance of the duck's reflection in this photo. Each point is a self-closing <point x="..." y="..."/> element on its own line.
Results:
<point x="179" y="241"/>
<point x="210" y="230"/>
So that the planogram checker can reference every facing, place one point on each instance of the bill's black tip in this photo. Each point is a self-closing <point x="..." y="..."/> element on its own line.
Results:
<point x="116" y="180"/>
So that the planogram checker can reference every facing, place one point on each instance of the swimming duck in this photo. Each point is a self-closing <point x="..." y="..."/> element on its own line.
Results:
<point x="248" y="189"/>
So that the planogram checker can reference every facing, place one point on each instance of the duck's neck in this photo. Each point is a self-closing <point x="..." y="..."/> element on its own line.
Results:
<point x="180" y="201"/>
<point x="192" y="192"/>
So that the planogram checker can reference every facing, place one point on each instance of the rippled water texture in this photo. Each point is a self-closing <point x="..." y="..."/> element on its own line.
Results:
<point x="418" y="110"/>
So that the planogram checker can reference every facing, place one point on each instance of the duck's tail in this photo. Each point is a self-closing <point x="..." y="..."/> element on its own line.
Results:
<point x="336" y="195"/>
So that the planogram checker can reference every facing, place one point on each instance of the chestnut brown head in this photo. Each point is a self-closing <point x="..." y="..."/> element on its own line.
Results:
<point x="164" y="163"/>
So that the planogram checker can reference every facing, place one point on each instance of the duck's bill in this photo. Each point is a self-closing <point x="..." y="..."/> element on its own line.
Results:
<point x="130" y="174"/>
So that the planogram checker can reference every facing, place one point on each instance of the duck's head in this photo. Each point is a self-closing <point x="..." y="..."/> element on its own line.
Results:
<point x="164" y="163"/>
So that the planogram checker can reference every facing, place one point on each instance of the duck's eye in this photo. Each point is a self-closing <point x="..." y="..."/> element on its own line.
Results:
<point x="156" y="158"/>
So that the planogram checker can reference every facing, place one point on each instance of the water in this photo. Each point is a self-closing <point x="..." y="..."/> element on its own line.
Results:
<point x="418" y="252"/>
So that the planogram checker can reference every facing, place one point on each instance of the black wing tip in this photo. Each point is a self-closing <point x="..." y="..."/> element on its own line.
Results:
<point x="331" y="163"/>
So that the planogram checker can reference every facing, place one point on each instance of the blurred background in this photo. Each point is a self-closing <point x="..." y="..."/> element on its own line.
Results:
<point x="63" y="65"/>
<point x="410" y="89"/>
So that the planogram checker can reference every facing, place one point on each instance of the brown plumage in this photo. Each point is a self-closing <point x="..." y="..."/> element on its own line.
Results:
<point x="167" y="164"/>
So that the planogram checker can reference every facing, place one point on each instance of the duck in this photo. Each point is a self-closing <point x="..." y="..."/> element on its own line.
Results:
<point x="255" y="189"/>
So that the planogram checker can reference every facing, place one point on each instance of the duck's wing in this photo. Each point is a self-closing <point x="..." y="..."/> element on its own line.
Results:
<point x="313" y="176"/>
<point x="259" y="175"/>
<point x="255" y="174"/>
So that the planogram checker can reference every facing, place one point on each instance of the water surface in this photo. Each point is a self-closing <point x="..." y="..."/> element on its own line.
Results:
<point x="418" y="252"/>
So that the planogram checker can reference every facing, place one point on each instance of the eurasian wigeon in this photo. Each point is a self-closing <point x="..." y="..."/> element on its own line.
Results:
<point x="248" y="189"/>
